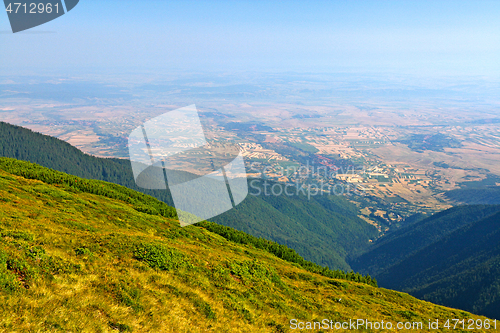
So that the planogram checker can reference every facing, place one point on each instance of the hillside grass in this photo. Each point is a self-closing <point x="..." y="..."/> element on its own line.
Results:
<point x="73" y="261"/>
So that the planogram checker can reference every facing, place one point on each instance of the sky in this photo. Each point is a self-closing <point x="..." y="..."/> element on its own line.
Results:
<point x="422" y="37"/>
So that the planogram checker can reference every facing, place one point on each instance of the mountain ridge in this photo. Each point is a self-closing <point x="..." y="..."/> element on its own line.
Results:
<point x="81" y="255"/>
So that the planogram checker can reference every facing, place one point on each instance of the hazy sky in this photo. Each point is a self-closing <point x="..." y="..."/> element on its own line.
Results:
<point x="417" y="37"/>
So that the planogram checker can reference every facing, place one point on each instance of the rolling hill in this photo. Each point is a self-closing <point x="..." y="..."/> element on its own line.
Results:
<point x="92" y="256"/>
<point x="326" y="230"/>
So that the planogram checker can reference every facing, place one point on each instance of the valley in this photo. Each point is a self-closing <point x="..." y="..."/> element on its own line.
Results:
<point x="392" y="156"/>
<point x="368" y="176"/>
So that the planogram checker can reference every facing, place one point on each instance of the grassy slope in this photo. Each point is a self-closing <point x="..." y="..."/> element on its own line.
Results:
<point x="323" y="230"/>
<point x="74" y="261"/>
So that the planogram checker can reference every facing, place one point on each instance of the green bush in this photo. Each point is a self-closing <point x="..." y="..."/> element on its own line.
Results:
<point x="159" y="256"/>
<point x="253" y="271"/>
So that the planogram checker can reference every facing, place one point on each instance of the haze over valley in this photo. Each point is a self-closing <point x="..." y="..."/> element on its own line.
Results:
<point x="250" y="166"/>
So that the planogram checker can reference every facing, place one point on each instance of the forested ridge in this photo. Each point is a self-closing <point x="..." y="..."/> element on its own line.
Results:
<point x="404" y="242"/>
<point x="450" y="258"/>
